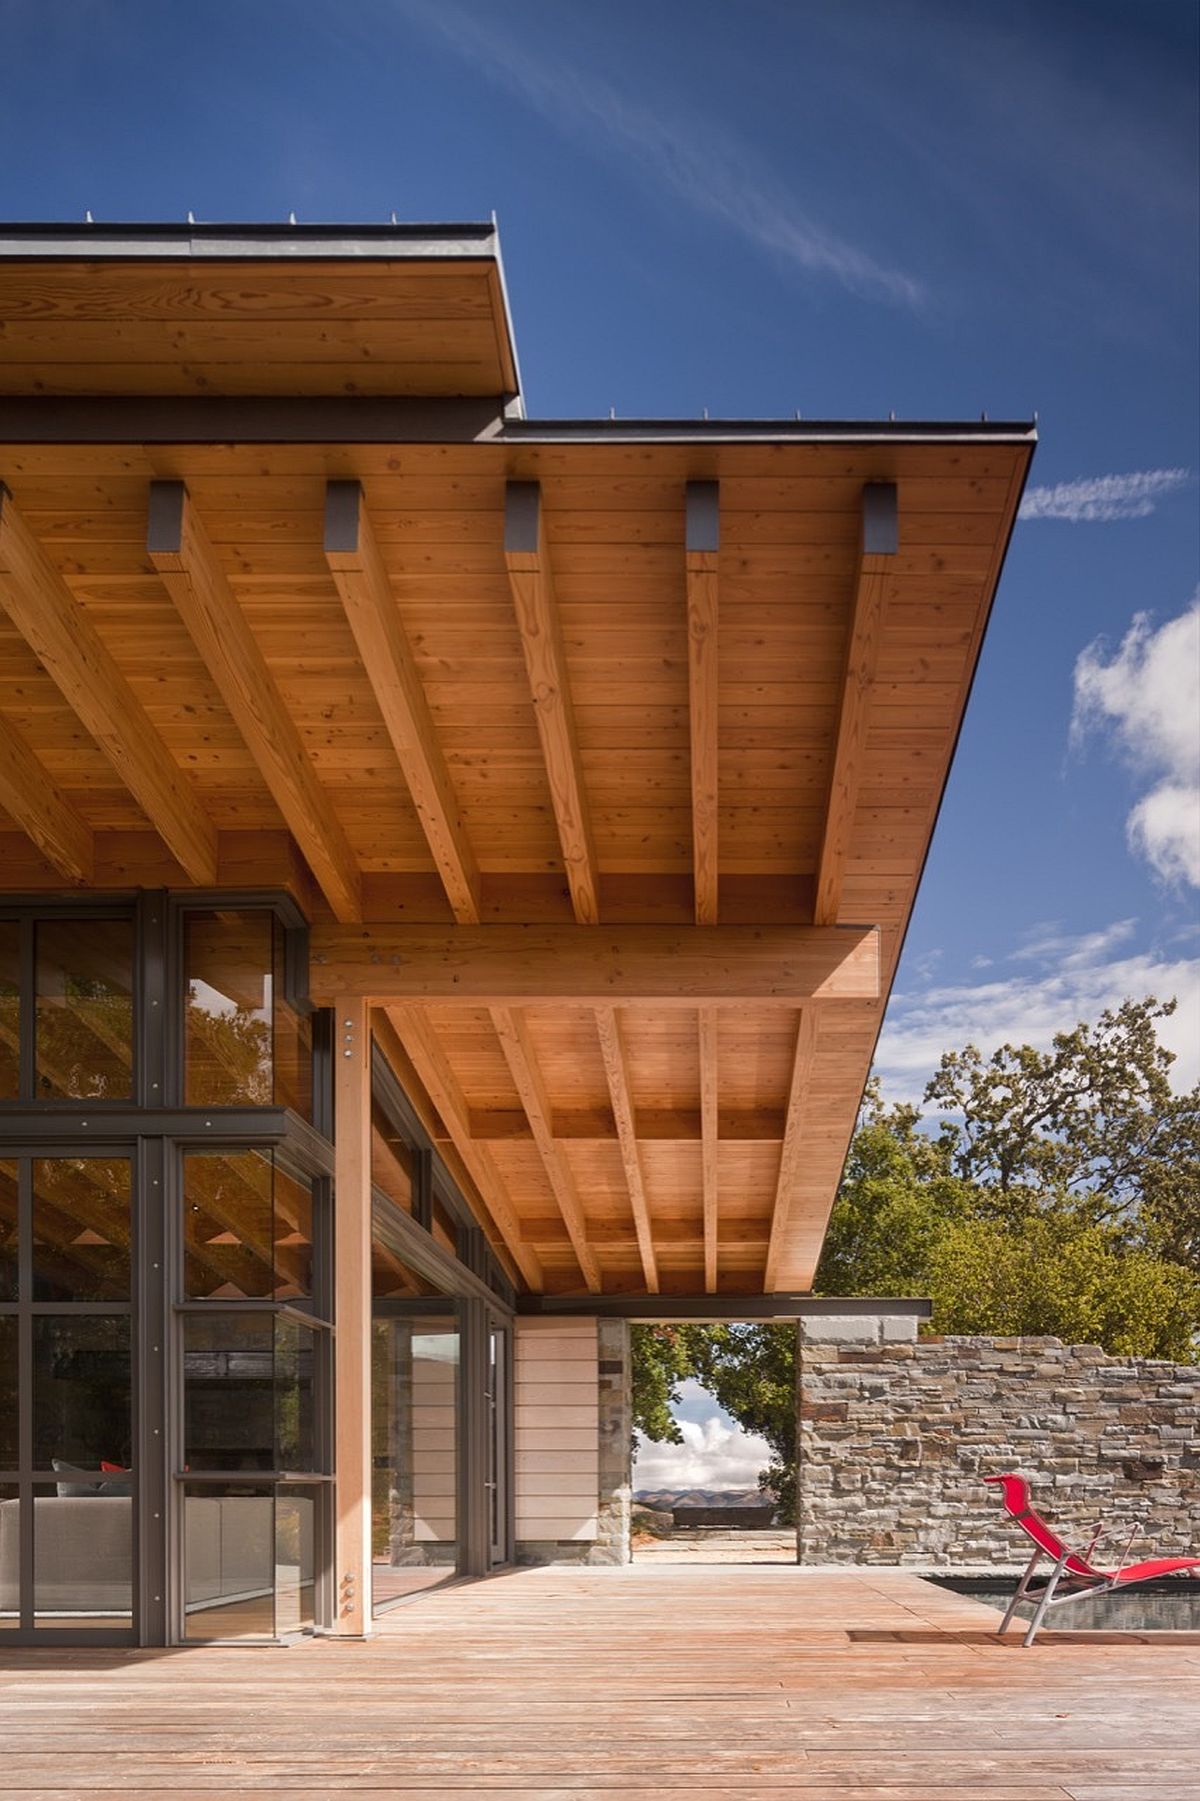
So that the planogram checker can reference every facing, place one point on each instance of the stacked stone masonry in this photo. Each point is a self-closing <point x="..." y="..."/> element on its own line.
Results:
<point x="897" y="1433"/>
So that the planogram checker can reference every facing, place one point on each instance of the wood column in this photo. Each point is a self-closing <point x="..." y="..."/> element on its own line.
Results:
<point x="352" y="1316"/>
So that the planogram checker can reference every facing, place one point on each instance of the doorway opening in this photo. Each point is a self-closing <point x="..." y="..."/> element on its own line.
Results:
<point x="714" y="1457"/>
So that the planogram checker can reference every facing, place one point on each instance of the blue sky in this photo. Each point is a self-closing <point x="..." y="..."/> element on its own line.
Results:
<point x="761" y="205"/>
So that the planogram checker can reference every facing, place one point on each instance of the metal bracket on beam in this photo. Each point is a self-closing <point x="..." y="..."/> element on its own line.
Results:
<point x="880" y="521"/>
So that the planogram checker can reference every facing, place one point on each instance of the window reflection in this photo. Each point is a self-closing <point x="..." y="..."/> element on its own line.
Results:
<point x="8" y="1230"/>
<point x="10" y="1009"/>
<point x="247" y="1229"/>
<point x="85" y="1009"/>
<point x="81" y="1391"/>
<point x="391" y="1161"/>
<point x="245" y="1044"/>
<point x="249" y="1560"/>
<point x="10" y="1556"/>
<point x="248" y="1392"/>
<point x="414" y="1434"/>
<point x="81" y="1228"/>
<point x="8" y="1391"/>
<point x="227" y="961"/>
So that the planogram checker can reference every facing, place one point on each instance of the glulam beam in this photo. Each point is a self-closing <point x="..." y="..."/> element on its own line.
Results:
<point x="361" y="578"/>
<point x="791" y="1151"/>
<point x="440" y="1084"/>
<point x="880" y="542"/>
<point x="616" y="1071"/>
<point x="43" y="814"/>
<point x="702" y="546"/>
<point x="74" y="656"/>
<point x="182" y="553"/>
<point x="515" y="1042"/>
<point x="540" y="628"/>
<point x="673" y="966"/>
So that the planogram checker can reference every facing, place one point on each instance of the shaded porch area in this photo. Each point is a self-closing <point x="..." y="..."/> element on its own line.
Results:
<point x="638" y="1681"/>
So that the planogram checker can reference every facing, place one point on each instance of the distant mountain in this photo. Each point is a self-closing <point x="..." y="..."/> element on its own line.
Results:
<point x="667" y="1498"/>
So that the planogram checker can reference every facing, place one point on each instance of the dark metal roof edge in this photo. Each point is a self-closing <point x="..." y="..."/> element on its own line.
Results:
<point x="142" y="241"/>
<point x="743" y="1307"/>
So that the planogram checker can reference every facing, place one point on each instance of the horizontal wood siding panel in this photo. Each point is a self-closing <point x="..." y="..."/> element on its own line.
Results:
<point x="556" y="1427"/>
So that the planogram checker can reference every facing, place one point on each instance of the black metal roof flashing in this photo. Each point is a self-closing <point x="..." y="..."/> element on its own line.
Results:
<point x="150" y="241"/>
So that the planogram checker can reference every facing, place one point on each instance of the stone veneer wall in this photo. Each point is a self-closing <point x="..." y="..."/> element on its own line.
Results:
<point x="604" y="1466"/>
<point x="896" y="1434"/>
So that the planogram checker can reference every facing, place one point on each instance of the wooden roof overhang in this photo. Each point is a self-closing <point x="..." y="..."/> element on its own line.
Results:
<point x="603" y="756"/>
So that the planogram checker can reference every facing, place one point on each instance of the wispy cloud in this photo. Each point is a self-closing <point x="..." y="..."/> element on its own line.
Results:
<point x="709" y="170"/>
<point x="1098" y="498"/>
<point x="1146" y="695"/>
<point x="1063" y="978"/>
<point x="714" y="1454"/>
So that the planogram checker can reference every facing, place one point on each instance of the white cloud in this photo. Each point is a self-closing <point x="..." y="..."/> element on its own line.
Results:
<point x="1075" y="979"/>
<point x="1103" y="497"/>
<point x="708" y="169"/>
<point x="712" y="1455"/>
<point x="1147" y="696"/>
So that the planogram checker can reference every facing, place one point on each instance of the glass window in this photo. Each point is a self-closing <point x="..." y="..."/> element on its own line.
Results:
<point x="244" y="1043"/>
<point x="392" y="1161"/>
<point x="247" y="1228"/>
<point x="249" y="1560"/>
<point x="81" y="1392"/>
<point x="248" y="1392"/>
<point x="10" y="1009"/>
<point x="414" y="1444"/>
<point x="9" y="1456"/>
<point x="81" y="1228"/>
<point x="443" y="1225"/>
<point x="8" y="1230"/>
<point x="229" y="1561"/>
<point x="293" y="1040"/>
<point x="227" y="1016"/>
<point x="10" y="1558"/>
<point x="82" y="1557"/>
<point x="85" y="1009"/>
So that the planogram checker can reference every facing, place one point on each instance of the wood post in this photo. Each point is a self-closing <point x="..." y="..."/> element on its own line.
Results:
<point x="352" y="1317"/>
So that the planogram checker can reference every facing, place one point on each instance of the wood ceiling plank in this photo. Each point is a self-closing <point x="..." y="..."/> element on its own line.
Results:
<point x="352" y="553"/>
<point x="41" y="810"/>
<point x="429" y="1060"/>
<point x="540" y="627"/>
<point x="513" y="1034"/>
<point x="182" y="553"/>
<point x="877" y="558"/>
<point x="684" y="966"/>
<point x="709" y="1138"/>
<point x="702" y="546"/>
<point x="66" y="643"/>
<point x="616" y="1070"/>
<point x="793" y="1148"/>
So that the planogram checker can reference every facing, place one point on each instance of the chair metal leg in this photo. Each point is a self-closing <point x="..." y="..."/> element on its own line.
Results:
<point x="1021" y="1590"/>
<point x="1047" y="1595"/>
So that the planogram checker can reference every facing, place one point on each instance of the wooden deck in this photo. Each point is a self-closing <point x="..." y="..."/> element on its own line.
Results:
<point x="717" y="1682"/>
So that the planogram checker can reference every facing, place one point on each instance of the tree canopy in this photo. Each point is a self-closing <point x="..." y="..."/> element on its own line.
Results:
<point x="1058" y="1193"/>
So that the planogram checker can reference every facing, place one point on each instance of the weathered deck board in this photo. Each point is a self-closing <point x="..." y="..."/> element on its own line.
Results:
<point x="713" y="1681"/>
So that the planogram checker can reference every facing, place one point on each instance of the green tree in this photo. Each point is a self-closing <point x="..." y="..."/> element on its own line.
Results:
<point x="751" y="1370"/>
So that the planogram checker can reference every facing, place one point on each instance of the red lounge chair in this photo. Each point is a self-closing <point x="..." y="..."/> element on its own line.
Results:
<point x="1078" y="1576"/>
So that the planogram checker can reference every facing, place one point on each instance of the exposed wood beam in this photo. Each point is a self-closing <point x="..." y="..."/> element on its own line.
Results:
<point x="616" y="1070"/>
<point x="545" y="660"/>
<point x="880" y="541"/>
<point x="670" y="965"/>
<point x="181" y="551"/>
<point x="790" y="1153"/>
<point x="361" y="577"/>
<point x="703" y="543"/>
<point x="709" y="1134"/>
<point x="45" y="815"/>
<point x="439" y="1082"/>
<point x="659" y="1125"/>
<point x="518" y="1054"/>
<point x="66" y="643"/>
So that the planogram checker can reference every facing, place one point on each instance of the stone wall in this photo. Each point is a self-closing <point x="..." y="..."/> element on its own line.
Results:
<point x="896" y="1434"/>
